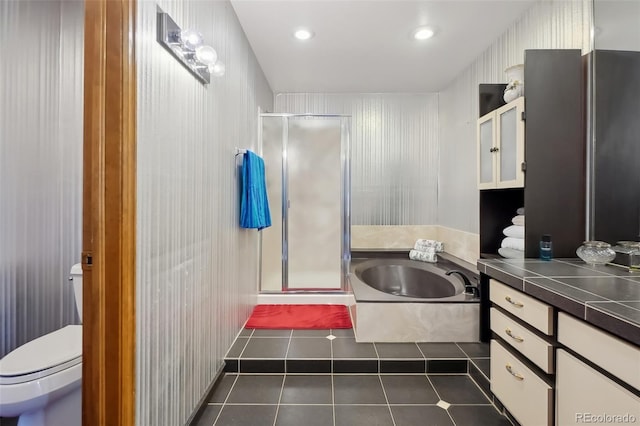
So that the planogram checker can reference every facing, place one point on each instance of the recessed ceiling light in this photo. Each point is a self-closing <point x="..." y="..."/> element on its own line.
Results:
<point x="423" y="33"/>
<point x="303" y="34"/>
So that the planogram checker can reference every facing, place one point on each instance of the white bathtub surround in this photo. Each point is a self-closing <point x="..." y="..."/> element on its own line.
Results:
<point x="424" y="255"/>
<point x="428" y="245"/>
<point x="390" y="236"/>
<point x="415" y="322"/>
<point x="306" y="299"/>
<point x="462" y="244"/>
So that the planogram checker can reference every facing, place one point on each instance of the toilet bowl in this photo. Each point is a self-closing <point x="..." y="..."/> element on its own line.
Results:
<point x="40" y="382"/>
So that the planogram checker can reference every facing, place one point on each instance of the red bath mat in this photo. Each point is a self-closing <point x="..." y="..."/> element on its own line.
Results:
<point x="299" y="317"/>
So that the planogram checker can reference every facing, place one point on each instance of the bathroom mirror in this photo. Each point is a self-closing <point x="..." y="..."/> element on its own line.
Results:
<point x="615" y="127"/>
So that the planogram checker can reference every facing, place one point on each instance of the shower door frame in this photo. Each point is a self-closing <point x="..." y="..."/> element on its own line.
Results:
<point x="345" y="201"/>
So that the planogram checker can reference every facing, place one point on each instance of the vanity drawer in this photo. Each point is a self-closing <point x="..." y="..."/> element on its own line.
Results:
<point x="533" y="347"/>
<point x="527" y="397"/>
<point x="618" y="357"/>
<point x="532" y="311"/>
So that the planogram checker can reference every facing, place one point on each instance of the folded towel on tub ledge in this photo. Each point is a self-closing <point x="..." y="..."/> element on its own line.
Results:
<point x="425" y="245"/>
<point x="424" y="256"/>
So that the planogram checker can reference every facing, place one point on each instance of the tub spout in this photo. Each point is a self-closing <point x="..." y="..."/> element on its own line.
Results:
<point x="468" y="287"/>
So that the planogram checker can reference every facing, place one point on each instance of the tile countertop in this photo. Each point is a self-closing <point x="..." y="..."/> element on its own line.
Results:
<point x="606" y="296"/>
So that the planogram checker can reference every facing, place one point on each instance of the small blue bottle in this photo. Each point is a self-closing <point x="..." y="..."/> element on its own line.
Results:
<point x="546" y="247"/>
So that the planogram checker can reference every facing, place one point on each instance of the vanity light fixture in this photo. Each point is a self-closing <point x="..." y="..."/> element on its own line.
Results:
<point x="303" y="34"/>
<point x="191" y="39"/>
<point x="207" y="55"/>
<point x="188" y="47"/>
<point x="423" y="33"/>
<point x="217" y="69"/>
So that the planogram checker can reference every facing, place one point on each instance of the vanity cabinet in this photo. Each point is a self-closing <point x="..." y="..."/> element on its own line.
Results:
<point x="501" y="147"/>
<point x="552" y="368"/>
<point x="610" y="391"/>
<point x="551" y="183"/>
<point x="522" y="354"/>
<point x="584" y="395"/>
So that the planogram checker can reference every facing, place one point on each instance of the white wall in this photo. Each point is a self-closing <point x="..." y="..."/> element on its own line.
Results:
<point x="196" y="269"/>
<point x="394" y="152"/>
<point x="547" y="25"/>
<point x="41" y="69"/>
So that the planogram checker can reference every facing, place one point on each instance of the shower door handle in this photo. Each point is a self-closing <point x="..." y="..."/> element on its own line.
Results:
<point x="288" y="204"/>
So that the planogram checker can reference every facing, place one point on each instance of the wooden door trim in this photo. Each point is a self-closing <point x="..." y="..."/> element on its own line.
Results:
<point x="109" y="214"/>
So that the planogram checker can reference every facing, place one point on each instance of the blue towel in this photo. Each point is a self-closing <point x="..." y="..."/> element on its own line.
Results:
<point x="254" y="206"/>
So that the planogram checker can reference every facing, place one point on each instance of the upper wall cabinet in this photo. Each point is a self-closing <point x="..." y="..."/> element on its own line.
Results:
<point x="501" y="147"/>
<point x="555" y="153"/>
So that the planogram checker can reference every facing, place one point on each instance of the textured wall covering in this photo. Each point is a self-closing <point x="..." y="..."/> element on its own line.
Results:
<point x="40" y="166"/>
<point x="394" y="152"/>
<point x="547" y="25"/>
<point x="196" y="269"/>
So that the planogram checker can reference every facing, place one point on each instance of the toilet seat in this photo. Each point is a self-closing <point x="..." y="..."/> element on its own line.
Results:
<point x="42" y="357"/>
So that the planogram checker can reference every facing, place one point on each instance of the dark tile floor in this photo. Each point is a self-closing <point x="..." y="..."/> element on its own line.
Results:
<point x="326" y="378"/>
<point x="349" y="400"/>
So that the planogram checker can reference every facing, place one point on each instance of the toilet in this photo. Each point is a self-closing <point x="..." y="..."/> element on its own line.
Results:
<point x="40" y="382"/>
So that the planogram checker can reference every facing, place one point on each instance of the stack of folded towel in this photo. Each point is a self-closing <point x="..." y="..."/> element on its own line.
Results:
<point x="425" y="250"/>
<point x="512" y="247"/>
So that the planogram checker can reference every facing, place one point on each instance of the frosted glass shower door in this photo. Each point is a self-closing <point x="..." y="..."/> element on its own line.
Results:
<point x="314" y="193"/>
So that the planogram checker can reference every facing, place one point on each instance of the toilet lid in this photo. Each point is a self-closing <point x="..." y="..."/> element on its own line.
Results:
<point x="61" y="348"/>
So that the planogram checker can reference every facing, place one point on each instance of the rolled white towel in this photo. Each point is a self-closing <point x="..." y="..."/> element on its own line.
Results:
<point x="516" y="231"/>
<point x="520" y="210"/>
<point x="423" y="245"/>
<point x="513" y="243"/>
<point x="423" y="256"/>
<point x="510" y="253"/>
<point x="518" y="220"/>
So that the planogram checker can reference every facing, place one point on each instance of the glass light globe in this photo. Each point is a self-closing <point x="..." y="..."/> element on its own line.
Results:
<point x="191" y="39"/>
<point x="217" y="69"/>
<point x="207" y="55"/>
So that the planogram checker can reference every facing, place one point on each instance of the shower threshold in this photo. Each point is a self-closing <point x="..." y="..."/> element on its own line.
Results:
<point x="306" y="298"/>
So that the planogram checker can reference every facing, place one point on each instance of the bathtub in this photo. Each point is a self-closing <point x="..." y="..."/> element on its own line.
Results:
<point x="403" y="280"/>
<point x="402" y="300"/>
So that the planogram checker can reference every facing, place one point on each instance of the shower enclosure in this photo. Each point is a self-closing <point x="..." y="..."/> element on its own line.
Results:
<point x="307" y="248"/>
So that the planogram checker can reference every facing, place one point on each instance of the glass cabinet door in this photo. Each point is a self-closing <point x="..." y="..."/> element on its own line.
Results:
<point x="510" y="145"/>
<point x="486" y="154"/>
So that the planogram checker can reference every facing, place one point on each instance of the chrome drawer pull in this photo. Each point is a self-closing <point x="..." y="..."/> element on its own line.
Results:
<point x="518" y="338"/>
<point x="516" y="375"/>
<point x="516" y="304"/>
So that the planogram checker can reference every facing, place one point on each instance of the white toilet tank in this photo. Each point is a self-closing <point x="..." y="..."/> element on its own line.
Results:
<point x="76" y="277"/>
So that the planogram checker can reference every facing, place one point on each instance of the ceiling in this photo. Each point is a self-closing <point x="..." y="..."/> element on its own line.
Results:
<point x="363" y="46"/>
